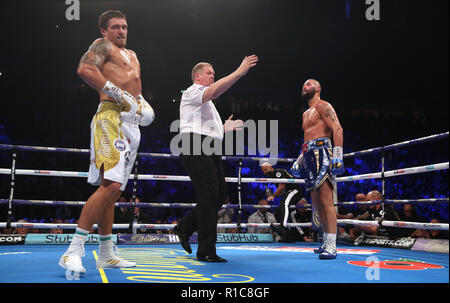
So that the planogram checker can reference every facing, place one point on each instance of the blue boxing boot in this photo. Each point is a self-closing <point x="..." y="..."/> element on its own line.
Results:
<point x="328" y="253"/>
<point x="329" y="249"/>
<point x="322" y="245"/>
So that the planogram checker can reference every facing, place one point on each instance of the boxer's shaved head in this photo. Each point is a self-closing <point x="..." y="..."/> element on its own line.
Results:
<point x="310" y="88"/>
<point x="316" y="84"/>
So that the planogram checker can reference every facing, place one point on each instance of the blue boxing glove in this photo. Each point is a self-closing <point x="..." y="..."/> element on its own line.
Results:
<point x="337" y="164"/>
<point x="297" y="167"/>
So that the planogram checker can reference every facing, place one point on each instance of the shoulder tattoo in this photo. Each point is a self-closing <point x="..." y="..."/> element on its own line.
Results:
<point x="97" y="53"/>
<point x="329" y="112"/>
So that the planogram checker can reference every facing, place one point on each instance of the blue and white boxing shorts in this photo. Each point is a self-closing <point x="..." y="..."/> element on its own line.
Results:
<point x="317" y="156"/>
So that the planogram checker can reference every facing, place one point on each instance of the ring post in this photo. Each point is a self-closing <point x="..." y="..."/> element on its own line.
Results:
<point x="239" y="216"/>
<point x="131" y="229"/>
<point x="383" y="181"/>
<point x="11" y="194"/>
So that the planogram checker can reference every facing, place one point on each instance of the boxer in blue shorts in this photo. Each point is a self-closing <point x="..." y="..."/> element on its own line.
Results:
<point x="317" y="156"/>
<point x="320" y="162"/>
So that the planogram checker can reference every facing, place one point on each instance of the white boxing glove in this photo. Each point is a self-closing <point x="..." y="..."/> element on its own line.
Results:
<point x="145" y="111"/>
<point x="298" y="163"/>
<point x="125" y="99"/>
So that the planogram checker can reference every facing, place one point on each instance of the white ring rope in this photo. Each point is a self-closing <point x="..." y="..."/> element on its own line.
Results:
<point x="401" y="224"/>
<point x="160" y="155"/>
<point x="144" y="204"/>
<point x="391" y="173"/>
<point x="377" y="175"/>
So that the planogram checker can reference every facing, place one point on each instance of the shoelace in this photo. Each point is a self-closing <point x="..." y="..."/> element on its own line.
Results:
<point x="328" y="249"/>
<point x="81" y="250"/>
<point x="116" y="250"/>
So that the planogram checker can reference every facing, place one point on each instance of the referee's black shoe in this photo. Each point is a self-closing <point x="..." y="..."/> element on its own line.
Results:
<point x="211" y="258"/>
<point x="184" y="240"/>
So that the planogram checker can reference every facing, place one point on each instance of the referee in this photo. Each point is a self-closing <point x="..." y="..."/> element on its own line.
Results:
<point x="290" y="193"/>
<point x="202" y="132"/>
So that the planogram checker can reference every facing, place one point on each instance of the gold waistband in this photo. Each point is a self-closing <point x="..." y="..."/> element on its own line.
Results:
<point x="108" y="105"/>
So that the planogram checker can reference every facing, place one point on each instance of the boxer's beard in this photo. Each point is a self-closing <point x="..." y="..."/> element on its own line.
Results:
<point x="121" y="42"/>
<point x="308" y="95"/>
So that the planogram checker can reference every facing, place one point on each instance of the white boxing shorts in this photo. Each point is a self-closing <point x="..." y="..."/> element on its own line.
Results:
<point x="114" y="145"/>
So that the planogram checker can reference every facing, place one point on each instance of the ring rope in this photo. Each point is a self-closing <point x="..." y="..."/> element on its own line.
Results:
<point x="383" y="174"/>
<point x="233" y="158"/>
<point x="247" y="206"/>
<point x="400" y="224"/>
<point x="387" y="174"/>
<point x="398" y="145"/>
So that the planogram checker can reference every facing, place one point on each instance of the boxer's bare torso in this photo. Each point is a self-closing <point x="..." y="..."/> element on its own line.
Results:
<point x="118" y="65"/>
<point x="107" y="59"/>
<point x="122" y="68"/>
<point x="314" y="125"/>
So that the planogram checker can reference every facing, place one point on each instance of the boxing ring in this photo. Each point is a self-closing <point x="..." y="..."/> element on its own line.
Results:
<point x="252" y="258"/>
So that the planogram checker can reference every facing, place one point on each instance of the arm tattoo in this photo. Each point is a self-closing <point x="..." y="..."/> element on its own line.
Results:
<point x="330" y="114"/>
<point x="97" y="53"/>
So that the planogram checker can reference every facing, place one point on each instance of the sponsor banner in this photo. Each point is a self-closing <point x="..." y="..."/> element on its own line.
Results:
<point x="61" y="239"/>
<point x="404" y="243"/>
<point x="296" y="249"/>
<point x="148" y="239"/>
<point x="400" y="264"/>
<point x="6" y="239"/>
<point x="244" y="238"/>
<point x="173" y="239"/>
<point x="431" y="245"/>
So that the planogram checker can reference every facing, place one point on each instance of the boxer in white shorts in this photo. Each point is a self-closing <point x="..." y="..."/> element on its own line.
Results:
<point x="115" y="73"/>
<point x="113" y="147"/>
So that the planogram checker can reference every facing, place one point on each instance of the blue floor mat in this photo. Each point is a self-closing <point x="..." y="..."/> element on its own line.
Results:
<point x="247" y="263"/>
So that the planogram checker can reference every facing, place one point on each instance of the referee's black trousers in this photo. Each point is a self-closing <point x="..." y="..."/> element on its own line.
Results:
<point x="208" y="179"/>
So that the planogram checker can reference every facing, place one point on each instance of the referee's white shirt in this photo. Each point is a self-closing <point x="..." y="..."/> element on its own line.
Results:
<point x="198" y="117"/>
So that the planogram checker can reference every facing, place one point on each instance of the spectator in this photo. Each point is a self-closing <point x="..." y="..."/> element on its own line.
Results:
<point x="377" y="212"/>
<point x="360" y="213"/>
<point x="290" y="193"/>
<point x="159" y="231"/>
<point x="409" y="215"/>
<point x="262" y="216"/>
<point x="21" y="230"/>
<point x="225" y="216"/>
<point x="57" y="230"/>
<point x="174" y="222"/>
<point x="139" y="216"/>
<point x="437" y="234"/>
<point x="120" y="215"/>
<point x="300" y="215"/>
<point x="233" y="230"/>
<point x="7" y="231"/>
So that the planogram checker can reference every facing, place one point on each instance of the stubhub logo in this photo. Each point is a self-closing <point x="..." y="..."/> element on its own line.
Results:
<point x="66" y="239"/>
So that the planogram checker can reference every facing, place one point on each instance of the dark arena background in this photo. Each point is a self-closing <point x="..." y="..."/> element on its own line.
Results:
<point x="383" y="66"/>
